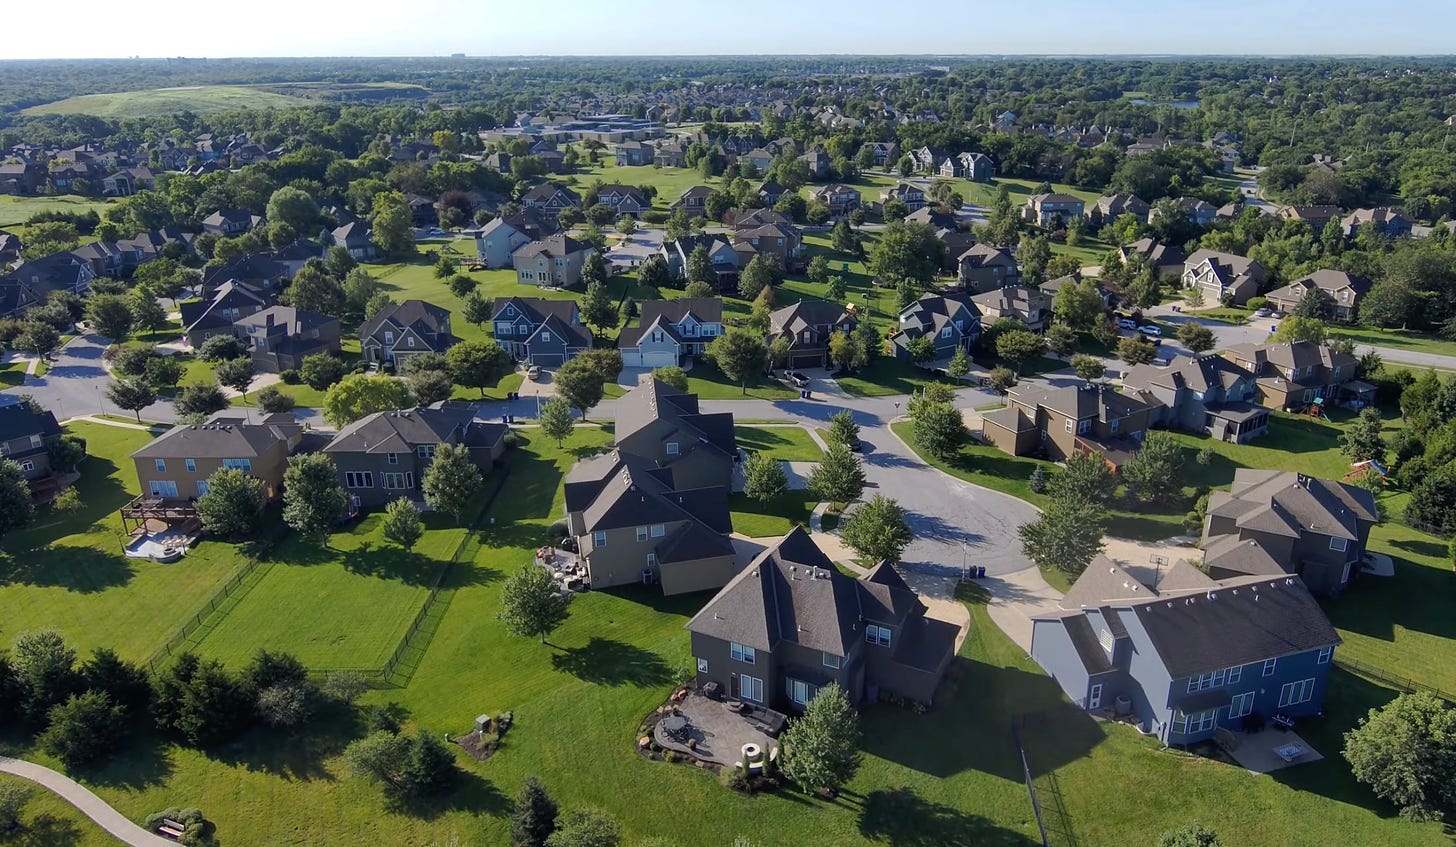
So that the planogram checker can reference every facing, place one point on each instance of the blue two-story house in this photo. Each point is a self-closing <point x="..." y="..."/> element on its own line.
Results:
<point x="670" y="331"/>
<point x="1184" y="655"/>
<point x="951" y="322"/>
<point x="539" y="332"/>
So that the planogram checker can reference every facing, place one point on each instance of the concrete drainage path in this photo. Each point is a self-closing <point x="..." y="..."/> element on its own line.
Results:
<point x="87" y="803"/>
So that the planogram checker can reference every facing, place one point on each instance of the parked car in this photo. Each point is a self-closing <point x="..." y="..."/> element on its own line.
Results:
<point x="1262" y="313"/>
<point x="533" y="372"/>
<point x="1126" y="323"/>
<point x="1151" y="329"/>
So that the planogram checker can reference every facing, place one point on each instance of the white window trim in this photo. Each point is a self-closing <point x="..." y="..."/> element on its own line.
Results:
<point x="1325" y="654"/>
<point x="1339" y="544"/>
<point x="1269" y="665"/>
<point x="878" y="635"/>
<point x="658" y="530"/>
<point x="673" y="449"/>
<point x="1295" y="693"/>
<point x="702" y="666"/>
<point x="599" y="538"/>
<point x="641" y="533"/>
<point x="742" y="653"/>
<point x="832" y="661"/>
<point x="1241" y="705"/>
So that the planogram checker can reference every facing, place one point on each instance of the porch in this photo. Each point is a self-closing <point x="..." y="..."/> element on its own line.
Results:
<point x="717" y="731"/>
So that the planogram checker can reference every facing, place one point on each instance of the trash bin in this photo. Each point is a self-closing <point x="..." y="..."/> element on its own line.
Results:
<point x="980" y="571"/>
<point x="505" y="419"/>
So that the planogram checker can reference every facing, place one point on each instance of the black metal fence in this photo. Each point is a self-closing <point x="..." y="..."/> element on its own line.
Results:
<point x="1400" y="683"/>
<point x="1053" y="823"/>
<point x="158" y="659"/>
<point x="1030" y="783"/>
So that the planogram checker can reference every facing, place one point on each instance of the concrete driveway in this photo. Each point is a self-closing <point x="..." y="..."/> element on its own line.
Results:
<point x="76" y="384"/>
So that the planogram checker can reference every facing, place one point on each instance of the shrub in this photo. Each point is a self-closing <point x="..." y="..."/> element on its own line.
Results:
<point x="1039" y="481"/>
<point x="271" y="399"/>
<point x="557" y="530"/>
<point x="1257" y="303"/>
<point x="654" y="217"/>
<point x="1205" y="456"/>
<point x="220" y="347"/>
<point x="290" y="376"/>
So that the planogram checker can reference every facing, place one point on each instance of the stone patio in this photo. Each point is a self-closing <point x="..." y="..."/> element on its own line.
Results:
<point x="1255" y="751"/>
<point x="720" y="734"/>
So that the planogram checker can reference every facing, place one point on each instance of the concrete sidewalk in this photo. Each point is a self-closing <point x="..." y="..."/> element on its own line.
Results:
<point x="87" y="803"/>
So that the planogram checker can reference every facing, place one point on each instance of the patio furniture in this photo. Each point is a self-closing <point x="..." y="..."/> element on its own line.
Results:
<point x="675" y="726"/>
<point x="1290" y="753"/>
<point x="1282" y="722"/>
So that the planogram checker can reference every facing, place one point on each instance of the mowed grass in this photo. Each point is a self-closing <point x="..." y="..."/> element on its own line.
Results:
<point x="785" y="443"/>
<point x="49" y="821"/>
<point x="770" y="519"/>
<point x="15" y="210"/>
<point x="68" y="572"/>
<point x="1396" y="339"/>
<point x="165" y="101"/>
<point x="346" y="605"/>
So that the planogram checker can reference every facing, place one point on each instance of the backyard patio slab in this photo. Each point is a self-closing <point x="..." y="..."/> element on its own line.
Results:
<point x="1256" y="751"/>
<point x="720" y="734"/>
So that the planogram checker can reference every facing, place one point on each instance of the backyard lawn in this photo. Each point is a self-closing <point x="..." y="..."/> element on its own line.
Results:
<point x="785" y="443"/>
<point x="757" y="519"/>
<point x="16" y="210"/>
<point x="1398" y="339"/>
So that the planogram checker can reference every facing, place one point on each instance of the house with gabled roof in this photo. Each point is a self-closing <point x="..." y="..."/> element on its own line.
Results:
<point x="26" y="431"/>
<point x="405" y="329"/>
<point x="1166" y="259"/>
<point x="551" y="262"/>
<point x="1207" y="394"/>
<point x="693" y="201"/>
<point x="1219" y="276"/>
<point x="789" y="623"/>
<point x="177" y="464"/>
<point x="551" y="199"/>
<point x="721" y="255"/>
<point x="912" y="196"/>
<point x="1020" y="302"/>
<point x="1318" y="217"/>
<point x="1052" y="210"/>
<point x="634" y="154"/>
<point x="1345" y="289"/>
<point x="1059" y="422"/>
<point x="839" y="198"/>
<point x="624" y="199"/>
<point x="1110" y="207"/>
<point x="256" y="269"/>
<point x="219" y="309"/>
<point x="383" y="456"/>
<point x="807" y="325"/>
<point x="984" y="268"/>
<point x="1184" y="655"/>
<point x="230" y="222"/>
<point x="56" y="272"/>
<point x="884" y="153"/>
<point x="539" y="332"/>
<point x="503" y="236"/>
<point x="1391" y="223"/>
<point x="668" y="332"/>
<point x="1314" y="528"/>
<point x="666" y="425"/>
<point x="279" y="337"/>
<point x="951" y="321"/>
<point x="356" y="237"/>
<point x="1292" y="375"/>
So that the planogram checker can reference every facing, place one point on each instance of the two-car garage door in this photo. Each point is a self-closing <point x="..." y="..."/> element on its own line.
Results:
<point x="637" y="358"/>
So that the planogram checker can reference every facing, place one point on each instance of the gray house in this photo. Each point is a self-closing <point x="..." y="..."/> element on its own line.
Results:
<point x="279" y="337"/>
<point x="1184" y="654"/>
<point x="403" y="330"/>
<point x="952" y="322"/>
<point x="1315" y="528"/>
<point x="539" y="332"/>
<point x="216" y="312"/>
<point x="24" y="434"/>
<point x="808" y="325"/>
<point x="497" y="240"/>
<point x="1206" y="394"/>
<point x="669" y="331"/>
<point x="721" y="254"/>
<point x="790" y="623"/>
<point x="664" y="425"/>
<point x="383" y="457"/>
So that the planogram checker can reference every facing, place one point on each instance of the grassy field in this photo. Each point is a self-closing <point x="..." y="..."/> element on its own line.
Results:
<point x="1398" y="339"/>
<point x="15" y="211"/>
<point x="49" y="821"/>
<point x="165" y="101"/>
<point x="785" y="443"/>
<point x="69" y="573"/>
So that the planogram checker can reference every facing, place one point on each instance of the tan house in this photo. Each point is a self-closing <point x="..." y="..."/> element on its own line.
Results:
<point x="177" y="464"/>
<point x="1345" y="290"/>
<point x="1060" y="422"/>
<point x="553" y="262"/>
<point x="1223" y="275"/>
<point x="983" y="268"/>
<point x="1318" y="217"/>
<point x="1291" y="376"/>
<point x="1166" y="259"/>
<point x="1029" y="305"/>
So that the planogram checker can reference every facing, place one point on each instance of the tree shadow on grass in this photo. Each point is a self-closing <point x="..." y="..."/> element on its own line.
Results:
<point x="390" y="562"/>
<point x="604" y="661"/>
<point x="44" y="830"/>
<point x="1419" y="597"/>
<point x="145" y="761"/>
<point x="84" y="570"/>
<point x="473" y="793"/>
<point x="1418" y="547"/>
<point x="901" y="818"/>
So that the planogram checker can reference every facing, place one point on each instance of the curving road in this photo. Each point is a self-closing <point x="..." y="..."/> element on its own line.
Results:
<point x="87" y="803"/>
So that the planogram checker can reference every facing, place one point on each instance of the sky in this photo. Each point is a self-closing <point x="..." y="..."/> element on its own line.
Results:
<point x="151" y="28"/>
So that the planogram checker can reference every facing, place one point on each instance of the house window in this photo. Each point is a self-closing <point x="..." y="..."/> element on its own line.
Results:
<point x="800" y="692"/>
<point x="657" y="336"/>
<point x="162" y="488"/>
<point x="161" y="464"/>
<point x="359" y="479"/>
<point x="1190" y="724"/>
<point x="191" y="465"/>
<point x="1105" y="639"/>
<point x="659" y="530"/>
<point x="807" y="336"/>
<point x="27" y="466"/>
<point x="394" y="458"/>
<point x="832" y="661"/>
<point x="1294" y="693"/>
<point x="945" y="333"/>
<point x="1069" y="424"/>
<point x="1242" y="704"/>
<point x="1212" y="679"/>
<point x="641" y="533"/>
<point x="703" y="666"/>
<point x="35" y="441"/>
<point x="877" y="635"/>
<point x="546" y="335"/>
<point x="672" y="448"/>
<point x="750" y="688"/>
<point x="1084" y="427"/>
<point x="410" y="342"/>
<point x="426" y="451"/>
<point x="1269" y="666"/>
<point x="1112" y="425"/>
<point x="1234" y="675"/>
<point x="388" y="337"/>
<point x="504" y="329"/>
<point x="742" y="653"/>
<point x="1324" y="655"/>
<point x="651" y="560"/>
<point x="1339" y="544"/>
<point x="244" y="465"/>
<point x="599" y="538"/>
<point x="394" y="481"/>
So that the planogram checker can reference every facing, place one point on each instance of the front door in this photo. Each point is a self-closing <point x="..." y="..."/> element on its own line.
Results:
<point x="1094" y="698"/>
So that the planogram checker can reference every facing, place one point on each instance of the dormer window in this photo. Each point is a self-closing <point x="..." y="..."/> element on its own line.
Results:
<point x="807" y="335"/>
<point x="672" y="448"/>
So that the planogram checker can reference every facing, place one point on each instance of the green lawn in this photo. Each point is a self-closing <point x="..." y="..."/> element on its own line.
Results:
<point x="166" y="101"/>
<point x="669" y="182"/>
<point x="49" y="821"/>
<point x="885" y="376"/>
<point x="1228" y="315"/>
<point x="15" y="210"/>
<point x="68" y="572"/>
<point x="13" y="373"/>
<point x="785" y="443"/>
<point x="709" y="383"/>
<point x="773" y="518"/>
<point x="309" y="600"/>
<point x="1398" y="339"/>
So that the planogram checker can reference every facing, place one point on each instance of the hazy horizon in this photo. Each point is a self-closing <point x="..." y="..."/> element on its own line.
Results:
<point x="582" y="29"/>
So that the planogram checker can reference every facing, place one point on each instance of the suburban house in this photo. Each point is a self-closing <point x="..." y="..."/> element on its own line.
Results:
<point x="952" y="323"/>
<point x="177" y="464"/>
<point x="552" y="262"/>
<point x="56" y="272"/>
<point x="1113" y="206"/>
<point x="624" y="199"/>
<point x="279" y="337"/>
<point x="1051" y="211"/>
<point x="670" y="154"/>
<point x="1060" y="422"/>
<point x="664" y="425"/>
<point x="540" y="332"/>
<point x="1053" y="286"/>
<point x="669" y="331"/>
<point x="1391" y="223"/>
<point x="1318" y="217"/>
<point x="635" y="523"/>
<point x="1028" y="305"/>
<point x="1207" y="394"/>
<point x="128" y="181"/>
<point x="217" y="311"/>
<point x="383" y="457"/>
<point x="983" y="268"/>
<point x="976" y="167"/>
<point x="807" y="325"/>
<point x="1272" y="523"/>
<point x="779" y="240"/>
<point x="503" y="236"/>
<point x="1293" y="375"/>
<point x="230" y="222"/>
<point x="1195" y="211"/>
<point x="256" y="269"/>
<point x="403" y="330"/>
<point x="1167" y="260"/>
<point x="839" y="198"/>
<point x="770" y="193"/>
<point x="550" y="199"/>
<point x="790" y="623"/>
<point x="1220" y="276"/>
<point x="954" y="243"/>
<point x="25" y="434"/>
<point x="693" y="201"/>
<point x="499" y="162"/>
<point x="634" y="153"/>
<point x="1184" y="654"/>
<point x="720" y="253"/>
<point x="927" y="159"/>
<point x="818" y="162"/>
<point x="760" y="158"/>
<point x="911" y="196"/>
<point x="357" y="238"/>
<point x="1345" y="290"/>
<point x="883" y="153"/>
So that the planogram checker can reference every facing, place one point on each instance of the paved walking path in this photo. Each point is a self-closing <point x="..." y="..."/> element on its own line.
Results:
<point x="87" y="803"/>
<point x="105" y="422"/>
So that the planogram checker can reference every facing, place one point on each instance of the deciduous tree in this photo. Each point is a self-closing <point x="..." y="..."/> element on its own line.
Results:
<point x="740" y="355"/>
<point x="478" y="364"/>
<point x="110" y="316"/>
<point x="1406" y="752"/>
<point x="132" y="395"/>
<point x="1154" y="471"/>
<point x="200" y="400"/>
<point x="839" y="477"/>
<point x="1089" y="368"/>
<point x="877" y="530"/>
<point x="1196" y="337"/>
<point x="531" y="604"/>
<point x="1086" y="479"/>
<point x="452" y="480"/>
<point x="1136" y="350"/>
<point x="402" y="523"/>
<point x="233" y="504"/>
<point x="1066" y="536"/>
<point x="764" y="477"/>
<point x="236" y="374"/>
<point x="313" y="500"/>
<point x="821" y="748"/>
<point x="1018" y="345"/>
<point x="358" y="395"/>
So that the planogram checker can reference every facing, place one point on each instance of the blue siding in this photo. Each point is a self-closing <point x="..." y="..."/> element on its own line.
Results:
<point x="1053" y="650"/>
<point x="1267" y="691"/>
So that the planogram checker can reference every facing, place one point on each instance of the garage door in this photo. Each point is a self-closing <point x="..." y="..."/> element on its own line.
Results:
<point x="634" y="358"/>
<point x="806" y="361"/>
<point x="553" y="360"/>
